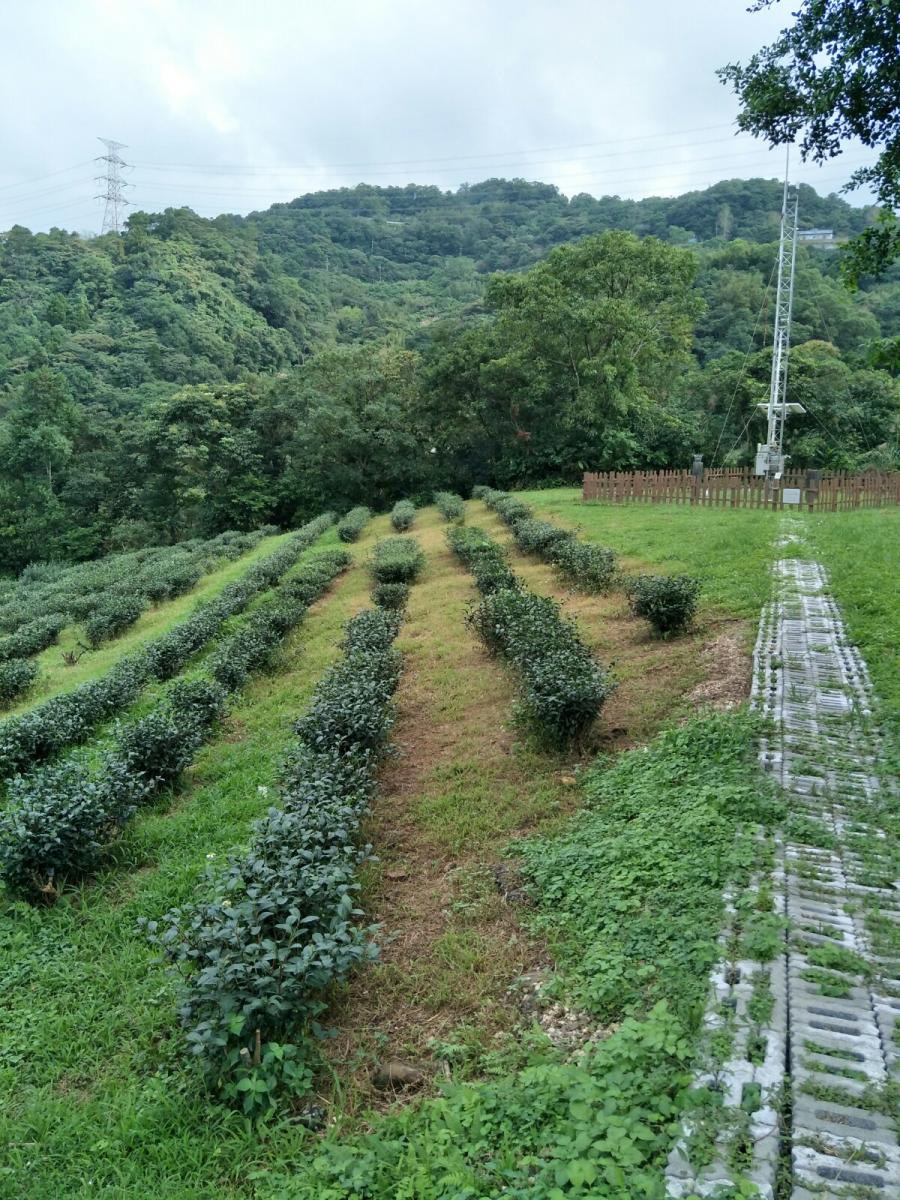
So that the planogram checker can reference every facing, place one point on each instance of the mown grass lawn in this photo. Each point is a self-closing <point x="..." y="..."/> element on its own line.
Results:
<point x="861" y="552"/>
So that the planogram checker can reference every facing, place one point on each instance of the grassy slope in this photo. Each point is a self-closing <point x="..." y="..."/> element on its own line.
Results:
<point x="92" y="1065"/>
<point x="97" y="1098"/>
<point x="861" y="551"/>
<point x="729" y="549"/>
<point x="56" y="677"/>
<point x="655" y="679"/>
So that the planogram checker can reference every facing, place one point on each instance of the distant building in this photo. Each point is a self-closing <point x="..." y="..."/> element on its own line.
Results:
<point x="817" y="237"/>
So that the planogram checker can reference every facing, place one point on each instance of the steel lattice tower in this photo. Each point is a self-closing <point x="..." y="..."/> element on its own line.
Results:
<point x="770" y="456"/>
<point x="115" y="186"/>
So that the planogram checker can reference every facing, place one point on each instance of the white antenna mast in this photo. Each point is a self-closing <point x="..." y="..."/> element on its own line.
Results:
<point x="770" y="454"/>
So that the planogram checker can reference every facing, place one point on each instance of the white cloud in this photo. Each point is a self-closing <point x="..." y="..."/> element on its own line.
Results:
<point x="288" y="95"/>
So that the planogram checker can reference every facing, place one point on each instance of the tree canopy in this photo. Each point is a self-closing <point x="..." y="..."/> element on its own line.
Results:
<point x="833" y="76"/>
<point x="362" y="344"/>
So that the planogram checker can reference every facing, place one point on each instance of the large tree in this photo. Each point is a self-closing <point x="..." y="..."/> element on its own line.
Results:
<point x="832" y="76"/>
<point x="577" y="366"/>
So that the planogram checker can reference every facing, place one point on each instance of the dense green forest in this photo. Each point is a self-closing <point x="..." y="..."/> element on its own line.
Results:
<point x="192" y="375"/>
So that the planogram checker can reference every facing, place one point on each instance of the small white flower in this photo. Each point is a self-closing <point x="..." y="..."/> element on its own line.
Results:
<point x="210" y="857"/>
<point x="226" y="904"/>
<point x="263" y="790"/>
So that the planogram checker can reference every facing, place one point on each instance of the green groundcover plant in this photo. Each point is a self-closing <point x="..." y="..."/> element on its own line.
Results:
<point x="630" y="895"/>
<point x="281" y="925"/>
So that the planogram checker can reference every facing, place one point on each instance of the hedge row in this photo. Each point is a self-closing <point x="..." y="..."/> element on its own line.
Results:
<point x="351" y="526"/>
<point x="16" y="677"/>
<point x="589" y="566"/>
<point x="402" y="515"/>
<point x="563" y="686"/>
<point x="62" y="817"/>
<point x="484" y="558"/>
<point x="282" y="925"/>
<point x="450" y="506"/>
<point x="155" y="573"/>
<point x="397" y="560"/>
<point x="668" y="602"/>
<point x="32" y="637"/>
<point x="70" y="718"/>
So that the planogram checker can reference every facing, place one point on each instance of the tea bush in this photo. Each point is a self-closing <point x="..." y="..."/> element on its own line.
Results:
<point x="402" y="515"/>
<point x="61" y="818"/>
<point x="668" y="602"/>
<point x="155" y="573"/>
<point x="450" y="506"/>
<point x="509" y="508"/>
<point x="484" y="558"/>
<point x="351" y="526"/>
<point x="16" y="677"/>
<point x="112" y="617"/>
<point x="539" y="537"/>
<point x="563" y="686"/>
<point x="69" y="718"/>
<point x="390" y="595"/>
<point x="397" y="560"/>
<point x="281" y="925"/>
<point x="590" y="567"/>
<point x="58" y="822"/>
<point x="32" y="638"/>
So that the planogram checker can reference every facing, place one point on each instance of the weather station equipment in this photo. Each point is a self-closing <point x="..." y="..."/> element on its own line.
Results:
<point x="770" y="457"/>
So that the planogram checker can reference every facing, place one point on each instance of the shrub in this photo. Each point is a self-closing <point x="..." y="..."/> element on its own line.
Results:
<point x="563" y="686"/>
<point x="67" y="719"/>
<point x="32" y="637"/>
<point x="479" y="491"/>
<point x="16" y="676"/>
<point x="114" y="616"/>
<point x="62" y="818"/>
<point x="351" y="526"/>
<point x="58" y="822"/>
<point x="539" y="537"/>
<point x="390" y="595"/>
<point x="668" y="602"/>
<point x="591" y="567"/>
<point x="159" y="746"/>
<point x="349" y="712"/>
<point x="402" y="515"/>
<point x="509" y="508"/>
<point x="484" y="558"/>
<point x="450" y="506"/>
<point x="397" y="560"/>
<point x="281" y="926"/>
<point x="251" y="647"/>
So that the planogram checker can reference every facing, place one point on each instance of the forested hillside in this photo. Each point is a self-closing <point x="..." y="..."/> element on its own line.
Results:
<point x="192" y="375"/>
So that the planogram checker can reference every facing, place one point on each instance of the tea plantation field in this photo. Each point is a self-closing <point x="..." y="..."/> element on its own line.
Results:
<point x="385" y="857"/>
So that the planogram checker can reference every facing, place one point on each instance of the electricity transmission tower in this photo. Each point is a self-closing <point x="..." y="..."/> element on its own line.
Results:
<point x="115" y="186"/>
<point x="770" y="454"/>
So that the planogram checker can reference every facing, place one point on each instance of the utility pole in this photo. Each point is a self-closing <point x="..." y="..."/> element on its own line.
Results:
<point x="114" y="184"/>
<point x="770" y="454"/>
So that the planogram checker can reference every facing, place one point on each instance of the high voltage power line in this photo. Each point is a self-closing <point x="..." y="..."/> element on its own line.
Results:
<point x="240" y="180"/>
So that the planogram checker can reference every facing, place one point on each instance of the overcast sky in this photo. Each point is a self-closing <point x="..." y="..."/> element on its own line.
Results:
<point x="229" y="105"/>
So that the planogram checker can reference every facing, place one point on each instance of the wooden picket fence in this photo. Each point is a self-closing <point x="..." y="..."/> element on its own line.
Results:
<point x="827" y="491"/>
